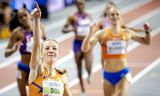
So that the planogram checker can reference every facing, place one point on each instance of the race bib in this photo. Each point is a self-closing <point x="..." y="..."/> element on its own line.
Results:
<point x="83" y="30"/>
<point x="52" y="88"/>
<point x="83" y="26"/>
<point x="116" y="47"/>
<point x="29" y="44"/>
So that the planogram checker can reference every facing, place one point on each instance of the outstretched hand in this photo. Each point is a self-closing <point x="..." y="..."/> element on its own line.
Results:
<point x="92" y="28"/>
<point x="36" y="12"/>
<point x="18" y="45"/>
<point x="147" y="27"/>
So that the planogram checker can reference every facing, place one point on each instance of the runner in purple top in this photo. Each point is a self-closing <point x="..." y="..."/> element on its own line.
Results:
<point x="80" y="22"/>
<point x="22" y="39"/>
<point x="27" y="43"/>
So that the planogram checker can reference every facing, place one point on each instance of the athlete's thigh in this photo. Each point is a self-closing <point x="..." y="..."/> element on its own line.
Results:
<point x="88" y="57"/>
<point x="22" y="83"/>
<point x="123" y="87"/>
<point x="108" y="88"/>
<point x="24" y="77"/>
<point x="78" y="59"/>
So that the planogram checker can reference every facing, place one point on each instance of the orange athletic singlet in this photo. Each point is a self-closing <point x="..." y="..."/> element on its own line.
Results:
<point x="47" y="86"/>
<point x="114" y="46"/>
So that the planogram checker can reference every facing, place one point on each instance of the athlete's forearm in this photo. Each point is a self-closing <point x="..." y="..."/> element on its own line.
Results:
<point x="36" y="33"/>
<point x="35" y="56"/>
<point x="134" y="29"/>
<point x="32" y="75"/>
<point x="66" y="29"/>
<point x="137" y="29"/>
<point x="147" y="38"/>
<point x="9" y="51"/>
<point x="86" y="44"/>
<point x="88" y="40"/>
<point x="67" y="91"/>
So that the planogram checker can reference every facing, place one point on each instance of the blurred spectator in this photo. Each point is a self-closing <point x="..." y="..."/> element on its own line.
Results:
<point x="69" y="2"/>
<point x="5" y="17"/>
<point x="43" y="4"/>
<point x="6" y="11"/>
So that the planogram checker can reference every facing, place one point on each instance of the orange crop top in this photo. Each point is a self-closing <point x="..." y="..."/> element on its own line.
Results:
<point x="114" y="46"/>
<point x="47" y="86"/>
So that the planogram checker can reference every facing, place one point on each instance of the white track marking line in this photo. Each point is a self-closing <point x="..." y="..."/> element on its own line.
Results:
<point x="10" y="86"/>
<point x="146" y="70"/>
<point x="91" y="10"/>
<point x="98" y="67"/>
<point x="71" y="34"/>
<point x="84" y="75"/>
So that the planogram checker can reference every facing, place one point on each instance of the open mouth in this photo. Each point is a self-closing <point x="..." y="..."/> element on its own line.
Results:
<point x="52" y="55"/>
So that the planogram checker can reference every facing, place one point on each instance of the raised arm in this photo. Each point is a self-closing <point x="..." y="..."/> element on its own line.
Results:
<point x="68" y="23"/>
<point x="91" y="39"/>
<point x="35" y="56"/>
<point x="43" y="35"/>
<point x="13" y="45"/>
<point x="133" y="29"/>
<point x="67" y="91"/>
<point x="142" y="39"/>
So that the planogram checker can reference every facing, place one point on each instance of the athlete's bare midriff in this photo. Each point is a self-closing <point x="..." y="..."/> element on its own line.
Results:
<point x="79" y="37"/>
<point x="26" y="58"/>
<point x="114" y="65"/>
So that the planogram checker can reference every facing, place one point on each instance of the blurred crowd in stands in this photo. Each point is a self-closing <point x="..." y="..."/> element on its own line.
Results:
<point x="8" y="13"/>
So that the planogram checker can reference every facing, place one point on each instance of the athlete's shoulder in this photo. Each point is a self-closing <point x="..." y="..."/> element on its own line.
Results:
<point x="100" y="22"/>
<point x="16" y="32"/>
<point x="107" y="29"/>
<point x="105" y="32"/>
<point x="61" y="72"/>
<point x="64" y="78"/>
<point x="17" y="29"/>
<point x="128" y="32"/>
<point x="72" y="17"/>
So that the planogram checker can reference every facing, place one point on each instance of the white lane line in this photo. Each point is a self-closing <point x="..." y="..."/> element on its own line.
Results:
<point x="130" y="48"/>
<point x="146" y="70"/>
<point x="71" y="34"/>
<point x="134" y="80"/>
<point x="13" y="85"/>
<point x="124" y="10"/>
<point x="145" y="17"/>
<point x="65" y="36"/>
<point x="135" y="44"/>
<point x="96" y="68"/>
<point x="85" y="75"/>
<point x="61" y="22"/>
<point x="92" y="11"/>
<point x="65" y="58"/>
<point x="10" y="86"/>
<point x="74" y="81"/>
<point x="9" y="62"/>
<point x="136" y="5"/>
<point x="3" y="44"/>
